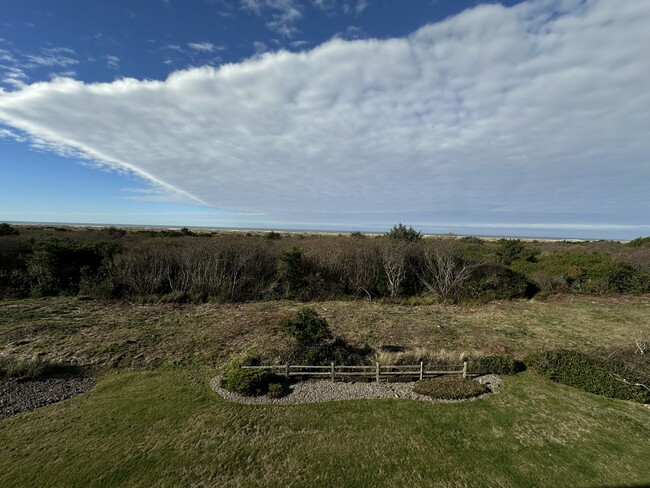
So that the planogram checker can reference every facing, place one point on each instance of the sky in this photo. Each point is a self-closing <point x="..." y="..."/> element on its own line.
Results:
<point x="508" y="118"/>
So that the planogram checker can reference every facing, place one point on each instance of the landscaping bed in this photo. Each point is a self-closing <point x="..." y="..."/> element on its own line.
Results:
<point x="18" y="396"/>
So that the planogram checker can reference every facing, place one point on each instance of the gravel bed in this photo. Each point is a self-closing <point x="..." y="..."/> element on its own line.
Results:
<point x="22" y="396"/>
<point x="316" y="391"/>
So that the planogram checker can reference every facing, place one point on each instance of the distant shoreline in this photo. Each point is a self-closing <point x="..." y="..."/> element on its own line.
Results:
<point x="487" y="237"/>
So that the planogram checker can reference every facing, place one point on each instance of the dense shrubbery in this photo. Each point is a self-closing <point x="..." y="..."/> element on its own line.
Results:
<point x="593" y="373"/>
<point x="450" y="388"/>
<point x="501" y="364"/>
<point x="186" y="266"/>
<point x="8" y="230"/>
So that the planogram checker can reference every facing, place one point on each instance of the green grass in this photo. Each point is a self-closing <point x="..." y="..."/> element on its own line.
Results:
<point x="148" y="428"/>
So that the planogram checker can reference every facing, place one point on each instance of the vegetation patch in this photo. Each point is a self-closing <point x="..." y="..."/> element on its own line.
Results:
<point x="315" y="344"/>
<point x="450" y="388"/>
<point x="498" y="364"/>
<point x="594" y="374"/>
<point x="251" y="382"/>
<point x="28" y="369"/>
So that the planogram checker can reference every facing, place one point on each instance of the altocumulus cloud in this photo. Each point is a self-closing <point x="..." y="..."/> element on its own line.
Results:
<point x="491" y="115"/>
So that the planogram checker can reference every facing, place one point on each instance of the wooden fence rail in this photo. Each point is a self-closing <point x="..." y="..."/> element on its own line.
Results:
<point x="378" y="371"/>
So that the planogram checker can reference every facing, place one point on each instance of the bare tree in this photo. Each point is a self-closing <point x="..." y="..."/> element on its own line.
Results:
<point x="443" y="269"/>
<point x="394" y="259"/>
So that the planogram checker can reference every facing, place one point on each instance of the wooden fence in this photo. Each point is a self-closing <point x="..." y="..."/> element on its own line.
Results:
<point x="378" y="371"/>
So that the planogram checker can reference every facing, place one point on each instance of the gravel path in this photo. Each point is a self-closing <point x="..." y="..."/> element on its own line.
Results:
<point x="316" y="391"/>
<point x="22" y="396"/>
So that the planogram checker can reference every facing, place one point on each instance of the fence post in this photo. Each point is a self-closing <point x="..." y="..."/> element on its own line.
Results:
<point x="421" y="370"/>
<point x="464" y="368"/>
<point x="286" y="370"/>
<point x="332" y="371"/>
<point x="377" y="373"/>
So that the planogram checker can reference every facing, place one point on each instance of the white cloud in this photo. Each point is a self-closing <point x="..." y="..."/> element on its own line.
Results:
<point x="112" y="62"/>
<point x="206" y="47"/>
<point x="361" y="6"/>
<point x="51" y="57"/>
<point x="284" y="14"/>
<point x="536" y="113"/>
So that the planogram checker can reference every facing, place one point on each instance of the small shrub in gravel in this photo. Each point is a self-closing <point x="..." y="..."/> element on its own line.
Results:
<point x="450" y="388"/>
<point x="498" y="364"/>
<point x="276" y="390"/>
<point x="245" y="381"/>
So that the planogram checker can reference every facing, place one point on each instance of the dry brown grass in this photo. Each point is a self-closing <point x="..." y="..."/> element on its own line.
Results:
<point x="131" y="335"/>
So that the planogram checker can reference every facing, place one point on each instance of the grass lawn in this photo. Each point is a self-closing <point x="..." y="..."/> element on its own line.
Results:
<point x="152" y="428"/>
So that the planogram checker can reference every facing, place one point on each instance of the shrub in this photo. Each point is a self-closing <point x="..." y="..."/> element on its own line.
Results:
<point x="501" y="364"/>
<point x="248" y="382"/>
<point x="450" y="388"/>
<point x="8" y="230"/>
<point x="403" y="233"/>
<point x="598" y="375"/>
<point x="276" y="390"/>
<point x="315" y="343"/>
<point x="639" y="242"/>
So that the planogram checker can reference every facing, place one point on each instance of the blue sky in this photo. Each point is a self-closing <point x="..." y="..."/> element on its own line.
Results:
<point x="510" y="118"/>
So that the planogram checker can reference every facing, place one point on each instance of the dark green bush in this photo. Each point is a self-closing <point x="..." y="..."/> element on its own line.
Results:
<point x="276" y="390"/>
<point x="450" y="388"/>
<point x="403" y="233"/>
<point x="639" y="242"/>
<point x="248" y="382"/>
<point x="8" y="230"/>
<point x="594" y="374"/>
<point x="315" y="343"/>
<point x="500" y="364"/>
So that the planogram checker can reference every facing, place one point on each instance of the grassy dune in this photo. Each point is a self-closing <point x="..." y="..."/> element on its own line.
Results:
<point x="119" y="334"/>
<point x="148" y="428"/>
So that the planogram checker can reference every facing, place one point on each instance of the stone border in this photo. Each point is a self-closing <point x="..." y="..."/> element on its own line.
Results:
<point x="318" y="391"/>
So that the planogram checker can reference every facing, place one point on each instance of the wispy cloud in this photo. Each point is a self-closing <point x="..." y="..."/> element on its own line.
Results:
<point x="51" y="57"/>
<point x="537" y="113"/>
<point x="206" y="47"/>
<point x="112" y="62"/>
<point x="283" y="14"/>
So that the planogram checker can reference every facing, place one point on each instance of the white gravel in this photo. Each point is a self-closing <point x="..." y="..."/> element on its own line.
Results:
<point x="316" y="391"/>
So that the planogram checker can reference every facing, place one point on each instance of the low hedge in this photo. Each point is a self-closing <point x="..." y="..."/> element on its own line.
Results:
<point x="499" y="364"/>
<point x="449" y="388"/>
<point x="590" y="373"/>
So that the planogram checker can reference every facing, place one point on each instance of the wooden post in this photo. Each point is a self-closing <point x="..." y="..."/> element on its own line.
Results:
<point x="377" y="373"/>
<point x="421" y="370"/>
<point x="332" y="372"/>
<point x="464" y="368"/>
<point x="286" y="370"/>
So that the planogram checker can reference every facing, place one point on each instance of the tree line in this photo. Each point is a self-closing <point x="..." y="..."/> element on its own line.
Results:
<point x="184" y="266"/>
